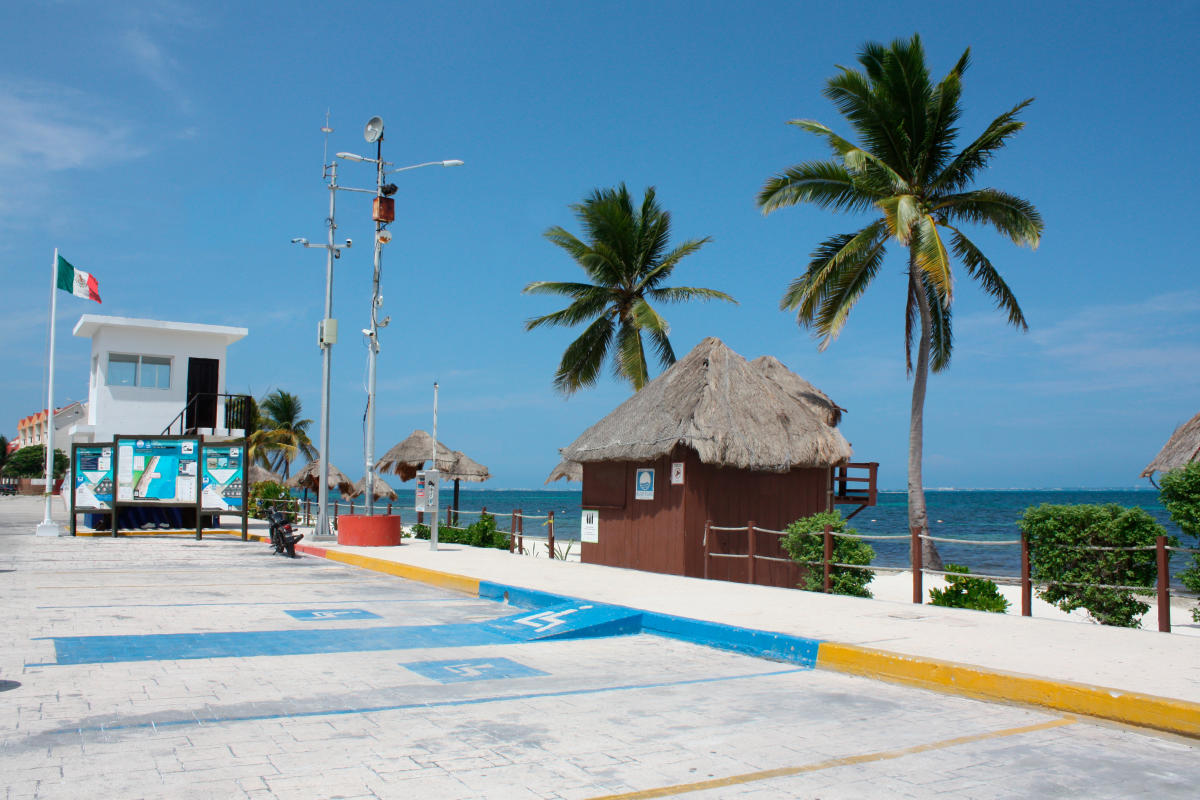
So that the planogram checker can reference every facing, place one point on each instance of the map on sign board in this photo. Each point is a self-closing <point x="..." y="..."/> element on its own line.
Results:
<point x="157" y="470"/>
<point x="221" y="477"/>
<point x="93" y="477"/>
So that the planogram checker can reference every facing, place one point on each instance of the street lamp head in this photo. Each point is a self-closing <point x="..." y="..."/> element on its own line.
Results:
<point x="300" y="240"/>
<point x="351" y="157"/>
<point x="374" y="130"/>
<point x="454" y="162"/>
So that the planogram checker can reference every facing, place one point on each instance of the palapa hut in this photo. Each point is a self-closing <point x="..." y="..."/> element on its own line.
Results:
<point x="380" y="489"/>
<point x="308" y="478"/>
<point x="1180" y="450"/>
<point x="409" y="456"/>
<point x="716" y="438"/>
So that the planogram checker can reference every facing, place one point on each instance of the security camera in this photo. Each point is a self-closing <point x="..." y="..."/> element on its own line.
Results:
<point x="349" y="242"/>
<point x="367" y="332"/>
<point x="379" y="301"/>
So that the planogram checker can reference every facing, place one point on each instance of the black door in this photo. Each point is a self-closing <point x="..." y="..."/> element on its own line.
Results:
<point x="202" y="393"/>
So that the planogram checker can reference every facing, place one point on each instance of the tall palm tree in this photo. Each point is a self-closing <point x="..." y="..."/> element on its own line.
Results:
<point x="627" y="261"/>
<point x="904" y="171"/>
<point x="287" y="432"/>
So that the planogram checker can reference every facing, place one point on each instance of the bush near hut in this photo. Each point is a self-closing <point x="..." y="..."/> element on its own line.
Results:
<point x="961" y="591"/>
<point x="270" y="496"/>
<point x="481" y="533"/>
<point x="804" y="543"/>
<point x="1180" y="495"/>
<point x="1073" y="575"/>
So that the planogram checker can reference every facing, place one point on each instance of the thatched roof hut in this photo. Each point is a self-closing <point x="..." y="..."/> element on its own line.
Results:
<point x="257" y="473"/>
<point x="566" y="471"/>
<point x="756" y="416"/>
<point x="380" y="489"/>
<point x="308" y="478"/>
<point x="465" y="468"/>
<point x="1180" y="450"/>
<point x="410" y="455"/>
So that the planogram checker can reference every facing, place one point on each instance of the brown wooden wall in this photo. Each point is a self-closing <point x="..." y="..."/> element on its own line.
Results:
<point x="666" y="534"/>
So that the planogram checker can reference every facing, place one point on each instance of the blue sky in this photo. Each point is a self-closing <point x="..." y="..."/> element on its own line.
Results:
<point x="173" y="149"/>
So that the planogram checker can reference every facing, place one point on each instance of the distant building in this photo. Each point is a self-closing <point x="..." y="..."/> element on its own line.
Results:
<point x="31" y="430"/>
<point x="148" y="375"/>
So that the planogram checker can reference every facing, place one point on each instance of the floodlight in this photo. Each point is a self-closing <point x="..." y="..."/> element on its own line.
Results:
<point x="454" y="162"/>
<point x="300" y="240"/>
<point x="351" y="157"/>
<point x="374" y="130"/>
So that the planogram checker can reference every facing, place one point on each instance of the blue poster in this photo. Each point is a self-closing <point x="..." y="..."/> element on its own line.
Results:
<point x="92" y="471"/>
<point x="157" y="470"/>
<point x="222" y="474"/>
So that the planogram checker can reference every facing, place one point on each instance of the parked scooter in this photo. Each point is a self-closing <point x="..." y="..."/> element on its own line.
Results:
<point x="283" y="539"/>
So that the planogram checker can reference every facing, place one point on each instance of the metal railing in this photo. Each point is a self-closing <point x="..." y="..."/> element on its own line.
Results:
<point x="235" y="411"/>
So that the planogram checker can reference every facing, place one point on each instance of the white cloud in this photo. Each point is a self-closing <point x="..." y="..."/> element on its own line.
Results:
<point x="53" y="127"/>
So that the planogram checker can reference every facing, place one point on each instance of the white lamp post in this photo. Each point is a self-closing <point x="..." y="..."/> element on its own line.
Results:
<point x="383" y="214"/>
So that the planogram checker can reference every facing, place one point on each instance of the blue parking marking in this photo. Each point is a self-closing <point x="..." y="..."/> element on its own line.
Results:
<point x="472" y="669"/>
<point x="330" y="613"/>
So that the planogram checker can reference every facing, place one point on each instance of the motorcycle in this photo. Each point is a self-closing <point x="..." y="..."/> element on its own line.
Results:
<point x="283" y="539"/>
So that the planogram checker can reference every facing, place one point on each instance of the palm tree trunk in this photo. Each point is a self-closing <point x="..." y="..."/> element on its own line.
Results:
<point x="917" y="518"/>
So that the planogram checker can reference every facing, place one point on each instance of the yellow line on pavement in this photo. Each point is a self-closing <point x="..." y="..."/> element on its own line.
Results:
<point x="1148" y="711"/>
<point x="445" y="580"/>
<point x="882" y="755"/>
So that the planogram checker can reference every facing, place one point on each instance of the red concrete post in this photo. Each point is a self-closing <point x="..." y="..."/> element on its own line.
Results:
<point x="707" y="546"/>
<point x="1164" y="588"/>
<point x="750" y="549"/>
<point x="1026" y="582"/>
<point x="917" y="573"/>
<point x="550" y="525"/>
<point x="828" y="557"/>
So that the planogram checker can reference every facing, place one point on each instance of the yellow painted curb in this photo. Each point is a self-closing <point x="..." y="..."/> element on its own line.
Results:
<point x="445" y="580"/>
<point x="188" y="532"/>
<point x="1176" y="716"/>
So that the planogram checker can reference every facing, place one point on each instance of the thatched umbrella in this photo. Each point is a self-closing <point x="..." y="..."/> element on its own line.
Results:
<point x="731" y="412"/>
<point x="410" y="455"/>
<point x="309" y="477"/>
<point x="464" y="468"/>
<point x="379" y="488"/>
<point x="566" y="471"/>
<point x="1180" y="450"/>
<point x="260" y="474"/>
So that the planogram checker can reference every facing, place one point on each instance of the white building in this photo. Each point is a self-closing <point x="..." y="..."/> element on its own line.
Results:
<point x="145" y="373"/>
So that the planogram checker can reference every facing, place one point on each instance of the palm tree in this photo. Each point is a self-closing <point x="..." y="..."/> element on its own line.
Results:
<point x="906" y="172"/>
<point x="286" y="433"/>
<point x="627" y="261"/>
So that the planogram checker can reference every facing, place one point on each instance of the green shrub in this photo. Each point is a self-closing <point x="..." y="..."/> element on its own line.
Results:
<point x="30" y="462"/>
<point x="1056" y="535"/>
<point x="979" y="594"/>
<point x="1180" y="495"/>
<point x="804" y="543"/>
<point x="481" y="533"/>
<point x="270" y="496"/>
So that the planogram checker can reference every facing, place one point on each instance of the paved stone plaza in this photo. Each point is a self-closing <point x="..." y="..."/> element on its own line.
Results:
<point x="241" y="674"/>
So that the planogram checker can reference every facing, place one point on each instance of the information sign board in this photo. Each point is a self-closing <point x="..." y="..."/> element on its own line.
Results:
<point x="589" y="526"/>
<point x="222" y="473"/>
<point x="158" y="471"/>
<point x="93" y="476"/>
<point x="644" y="485"/>
<point x="427" y="490"/>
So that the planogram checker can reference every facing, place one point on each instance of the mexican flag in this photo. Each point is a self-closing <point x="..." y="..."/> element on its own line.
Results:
<point x="76" y="281"/>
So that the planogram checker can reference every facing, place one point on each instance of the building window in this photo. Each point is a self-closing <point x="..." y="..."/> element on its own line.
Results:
<point x="122" y="370"/>
<point x="150" y="372"/>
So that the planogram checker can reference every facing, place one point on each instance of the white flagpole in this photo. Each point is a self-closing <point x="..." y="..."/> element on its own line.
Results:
<point x="47" y="527"/>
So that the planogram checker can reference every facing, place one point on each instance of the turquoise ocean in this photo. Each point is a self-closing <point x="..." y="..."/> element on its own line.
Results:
<point x="972" y="514"/>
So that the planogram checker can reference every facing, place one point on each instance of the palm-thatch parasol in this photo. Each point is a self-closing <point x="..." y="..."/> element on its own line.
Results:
<point x="1180" y="450"/>
<point x="379" y="488"/>
<point x="464" y="468"/>
<point x="566" y="471"/>
<point x="260" y="474"/>
<point x="410" y="455"/>
<point x="731" y="412"/>
<point x="309" y="477"/>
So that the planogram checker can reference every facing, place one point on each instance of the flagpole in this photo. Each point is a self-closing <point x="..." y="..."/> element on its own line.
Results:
<point x="47" y="527"/>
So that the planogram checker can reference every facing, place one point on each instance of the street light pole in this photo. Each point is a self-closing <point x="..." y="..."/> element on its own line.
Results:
<point x="326" y="338"/>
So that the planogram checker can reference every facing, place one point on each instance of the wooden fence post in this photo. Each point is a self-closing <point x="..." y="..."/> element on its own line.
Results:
<point x="512" y="530"/>
<point x="750" y="549"/>
<point x="521" y="531"/>
<point x="1026" y="582"/>
<point x="389" y="508"/>
<point x="916" y="565"/>
<point x="828" y="557"/>
<point x="420" y="517"/>
<point x="448" y="525"/>
<point x="1164" y="588"/>
<point x="707" y="546"/>
<point x="550" y="524"/>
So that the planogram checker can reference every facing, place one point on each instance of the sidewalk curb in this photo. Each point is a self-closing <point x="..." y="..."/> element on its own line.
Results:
<point x="1142" y="710"/>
